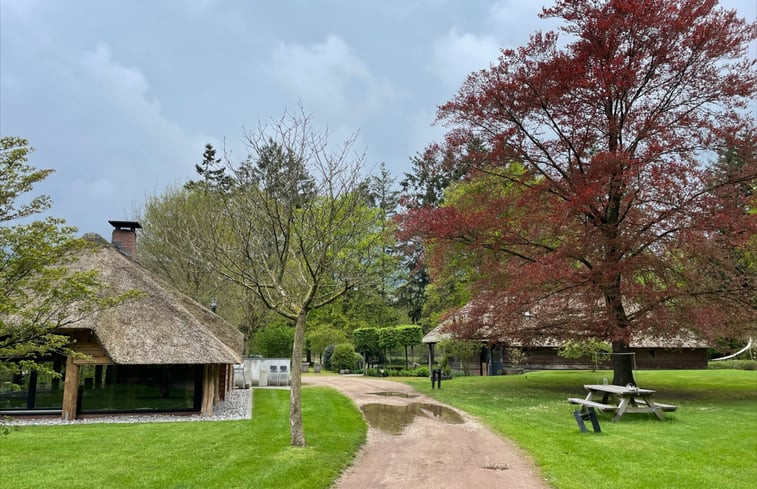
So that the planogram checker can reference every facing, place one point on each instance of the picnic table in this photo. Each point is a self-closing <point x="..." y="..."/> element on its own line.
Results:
<point x="622" y="399"/>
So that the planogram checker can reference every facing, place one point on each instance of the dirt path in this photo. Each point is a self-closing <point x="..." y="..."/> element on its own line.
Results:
<point x="429" y="453"/>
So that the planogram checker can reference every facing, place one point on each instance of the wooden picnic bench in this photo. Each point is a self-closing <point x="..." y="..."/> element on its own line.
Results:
<point x="594" y="404"/>
<point x="664" y="407"/>
<point x="630" y="399"/>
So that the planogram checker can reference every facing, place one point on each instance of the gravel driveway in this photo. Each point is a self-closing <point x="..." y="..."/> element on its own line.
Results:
<point x="429" y="452"/>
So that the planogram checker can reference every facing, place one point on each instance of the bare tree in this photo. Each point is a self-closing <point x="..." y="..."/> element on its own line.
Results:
<point x="294" y="227"/>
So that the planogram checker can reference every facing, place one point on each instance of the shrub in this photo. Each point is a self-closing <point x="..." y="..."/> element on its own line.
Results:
<point x="344" y="357"/>
<point x="460" y="350"/>
<point x="596" y="349"/>
<point x="415" y="372"/>
<point x="734" y="364"/>
<point x="327" y="354"/>
<point x="377" y="372"/>
<point x="323" y="337"/>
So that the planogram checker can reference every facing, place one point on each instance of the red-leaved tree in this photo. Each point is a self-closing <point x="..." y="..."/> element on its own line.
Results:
<point x="611" y="222"/>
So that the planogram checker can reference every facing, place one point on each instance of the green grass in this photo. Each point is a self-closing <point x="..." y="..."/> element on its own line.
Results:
<point x="219" y="454"/>
<point x="711" y="441"/>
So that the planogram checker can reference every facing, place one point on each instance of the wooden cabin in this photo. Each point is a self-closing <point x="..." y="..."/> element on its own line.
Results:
<point x="158" y="352"/>
<point x="682" y="352"/>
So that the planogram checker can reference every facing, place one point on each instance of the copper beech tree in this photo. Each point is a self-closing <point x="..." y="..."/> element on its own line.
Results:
<point x="609" y="220"/>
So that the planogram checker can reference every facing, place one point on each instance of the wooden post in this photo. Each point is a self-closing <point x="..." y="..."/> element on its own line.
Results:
<point x="217" y="377"/>
<point x="206" y="408"/>
<point x="431" y="357"/>
<point x="98" y="377"/>
<point x="209" y="383"/>
<point x="223" y="379"/>
<point x="32" y="390"/>
<point x="70" y="390"/>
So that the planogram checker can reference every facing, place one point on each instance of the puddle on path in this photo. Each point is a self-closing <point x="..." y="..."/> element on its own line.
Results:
<point x="394" y="394"/>
<point x="393" y="419"/>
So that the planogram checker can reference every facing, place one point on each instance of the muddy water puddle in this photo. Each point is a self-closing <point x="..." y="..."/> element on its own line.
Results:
<point x="394" y="394"/>
<point x="394" y="419"/>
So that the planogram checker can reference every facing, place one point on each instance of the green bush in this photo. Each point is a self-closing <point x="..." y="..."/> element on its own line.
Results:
<point x="328" y="352"/>
<point x="323" y="337"/>
<point x="377" y="372"/>
<point x="415" y="372"/>
<point x="422" y="372"/>
<point x="344" y="357"/>
<point x="734" y="364"/>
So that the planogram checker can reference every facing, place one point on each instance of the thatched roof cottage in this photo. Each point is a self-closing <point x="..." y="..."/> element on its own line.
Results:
<point x="684" y="351"/>
<point x="161" y="351"/>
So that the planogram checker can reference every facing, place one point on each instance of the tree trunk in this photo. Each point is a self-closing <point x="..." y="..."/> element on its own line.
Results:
<point x="622" y="357"/>
<point x="622" y="364"/>
<point x="406" y="365"/>
<point x="295" y="405"/>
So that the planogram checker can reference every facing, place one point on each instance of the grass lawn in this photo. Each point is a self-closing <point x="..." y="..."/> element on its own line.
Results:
<point x="710" y="442"/>
<point x="219" y="454"/>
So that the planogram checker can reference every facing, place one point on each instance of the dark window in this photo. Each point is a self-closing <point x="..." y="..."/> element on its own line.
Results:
<point x="105" y="388"/>
<point x="33" y="390"/>
<point x="139" y="388"/>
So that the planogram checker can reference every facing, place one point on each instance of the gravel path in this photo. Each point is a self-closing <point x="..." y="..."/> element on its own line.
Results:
<point x="237" y="405"/>
<point x="429" y="453"/>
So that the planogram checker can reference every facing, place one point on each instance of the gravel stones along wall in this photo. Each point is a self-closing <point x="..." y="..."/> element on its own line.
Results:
<point x="237" y="405"/>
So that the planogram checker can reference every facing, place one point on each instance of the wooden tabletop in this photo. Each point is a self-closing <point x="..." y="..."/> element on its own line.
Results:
<point x="620" y="390"/>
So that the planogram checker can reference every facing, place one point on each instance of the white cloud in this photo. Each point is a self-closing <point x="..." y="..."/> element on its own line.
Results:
<point x="126" y="87"/>
<point x="198" y="7"/>
<point x="109" y="139"/>
<point x="122" y="96"/>
<point x="96" y="190"/>
<point x="423" y="131"/>
<point x="330" y="77"/>
<point x="456" y="55"/>
<point x="20" y="9"/>
<point x="514" y="13"/>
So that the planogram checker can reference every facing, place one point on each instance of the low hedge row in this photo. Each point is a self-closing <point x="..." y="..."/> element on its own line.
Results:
<point x="734" y="364"/>
<point x="415" y="372"/>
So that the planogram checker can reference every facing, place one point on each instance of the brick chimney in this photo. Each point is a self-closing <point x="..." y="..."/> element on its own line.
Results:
<point x="125" y="236"/>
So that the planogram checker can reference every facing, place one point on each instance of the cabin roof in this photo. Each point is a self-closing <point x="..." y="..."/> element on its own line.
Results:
<point x="162" y="325"/>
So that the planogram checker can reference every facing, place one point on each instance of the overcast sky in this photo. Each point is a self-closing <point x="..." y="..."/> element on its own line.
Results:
<point x="120" y="97"/>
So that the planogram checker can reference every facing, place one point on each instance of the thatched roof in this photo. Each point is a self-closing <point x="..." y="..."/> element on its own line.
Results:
<point x="556" y="306"/>
<point x="684" y="339"/>
<point x="163" y="326"/>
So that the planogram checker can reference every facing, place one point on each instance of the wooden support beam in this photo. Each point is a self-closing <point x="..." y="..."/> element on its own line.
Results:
<point x="431" y="357"/>
<point x="209" y="389"/>
<point x="223" y="378"/>
<point x="217" y="379"/>
<point x="70" y="390"/>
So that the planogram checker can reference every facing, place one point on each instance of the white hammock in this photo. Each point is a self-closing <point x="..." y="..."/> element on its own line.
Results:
<point x="748" y="346"/>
